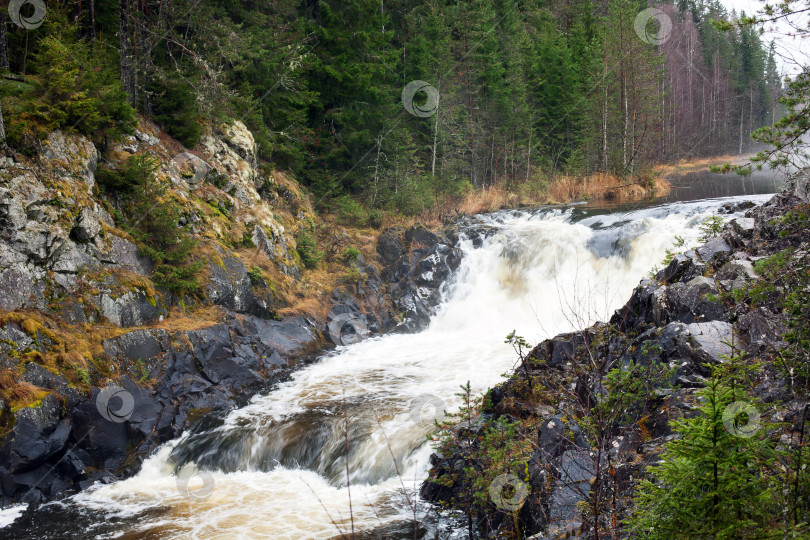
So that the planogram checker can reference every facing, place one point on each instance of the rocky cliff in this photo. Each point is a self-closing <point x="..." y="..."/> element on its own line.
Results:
<point x="99" y="365"/>
<point x="569" y="462"/>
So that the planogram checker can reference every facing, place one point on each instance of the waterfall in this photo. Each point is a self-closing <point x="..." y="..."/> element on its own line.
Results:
<point x="277" y="467"/>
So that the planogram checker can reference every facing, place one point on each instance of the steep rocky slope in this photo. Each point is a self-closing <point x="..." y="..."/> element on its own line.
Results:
<point x="567" y="450"/>
<point x="98" y="365"/>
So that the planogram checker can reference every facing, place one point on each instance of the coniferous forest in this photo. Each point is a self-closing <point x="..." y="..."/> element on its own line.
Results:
<point x="507" y="92"/>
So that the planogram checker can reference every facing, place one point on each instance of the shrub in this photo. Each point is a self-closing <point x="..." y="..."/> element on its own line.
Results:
<point x="350" y="212"/>
<point x="350" y="254"/>
<point x="375" y="218"/>
<point x="256" y="276"/>
<point x="154" y="221"/>
<point x="710" y="228"/>
<point x="710" y="483"/>
<point x="127" y="178"/>
<point x="415" y="196"/>
<point x="308" y="249"/>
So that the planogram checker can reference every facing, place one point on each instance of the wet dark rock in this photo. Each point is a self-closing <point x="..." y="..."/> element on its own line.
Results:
<point x="684" y="266"/>
<point x="760" y="330"/>
<point x="229" y="285"/>
<point x="418" y="263"/>
<point x="639" y="308"/>
<point x="575" y="470"/>
<point x="38" y="434"/>
<point x="735" y="207"/>
<point x="53" y="445"/>
<point x="736" y="274"/>
<point x="39" y="376"/>
<point x="389" y="246"/>
<point x="694" y="301"/>
<point x="551" y="438"/>
<point x="135" y="345"/>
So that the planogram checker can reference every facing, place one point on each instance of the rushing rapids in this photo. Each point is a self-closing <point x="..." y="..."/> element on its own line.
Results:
<point x="277" y="468"/>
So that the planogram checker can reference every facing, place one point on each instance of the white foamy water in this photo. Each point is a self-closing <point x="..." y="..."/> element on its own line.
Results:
<point x="277" y="466"/>
<point x="10" y="513"/>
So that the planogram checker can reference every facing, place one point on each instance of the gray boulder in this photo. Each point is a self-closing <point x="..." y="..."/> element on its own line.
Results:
<point x="713" y="338"/>
<point x="70" y="155"/>
<point x="86" y="227"/>
<point x="799" y="184"/>
<point x="714" y="248"/>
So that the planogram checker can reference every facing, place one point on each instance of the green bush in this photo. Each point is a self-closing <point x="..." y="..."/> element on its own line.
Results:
<point x="126" y="179"/>
<point x="256" y="276"/>
<point x="415" y="197"/>
<point x="350" y="212"/>
<point x="375" y="218"/>
<point x="710" y="228"/>
<point x="247" y="240"/>
<point x="308" y="249"/>
<point x="351" y="254"/>
<point x="154" y="221"/>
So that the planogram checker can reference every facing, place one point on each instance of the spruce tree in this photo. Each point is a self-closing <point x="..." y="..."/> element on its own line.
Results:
<point x="712" y="482"/>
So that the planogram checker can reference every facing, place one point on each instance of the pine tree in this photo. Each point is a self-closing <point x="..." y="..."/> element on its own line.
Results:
<point x="710" y="481"/>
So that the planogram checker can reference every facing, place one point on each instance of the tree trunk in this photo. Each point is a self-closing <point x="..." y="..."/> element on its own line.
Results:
<point x="3" y="41"/>
<point x="435" y="139"/>
<point x="91" y="9"/>
<point x="2" y="129"/>
<point x="529" y="154"/>
<point x="79" y="17"/>
<point x="469" y="98"/>
<point x="126" y="60"/>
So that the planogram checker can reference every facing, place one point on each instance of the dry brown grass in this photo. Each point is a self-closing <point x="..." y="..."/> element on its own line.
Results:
<point x="312" y="307"/>
<point x="686" y="166"/>
<point x="18" y="394"/>
<point x="563" y="189"/>
<point x="68" y="349"/>
<point x="602" y="186"/>
<point x="182" y="320"/>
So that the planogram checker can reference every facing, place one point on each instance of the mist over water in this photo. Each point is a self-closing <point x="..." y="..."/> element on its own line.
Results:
<point x="278" y="465"/>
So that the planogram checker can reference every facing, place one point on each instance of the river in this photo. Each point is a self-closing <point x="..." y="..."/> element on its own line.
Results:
<point x="276" y="468"/>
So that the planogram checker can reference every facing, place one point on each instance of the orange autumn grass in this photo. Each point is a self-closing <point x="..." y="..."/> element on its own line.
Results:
<point x="563" y="189"/>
